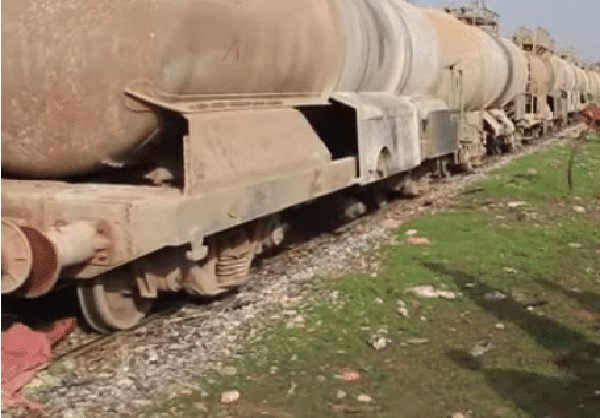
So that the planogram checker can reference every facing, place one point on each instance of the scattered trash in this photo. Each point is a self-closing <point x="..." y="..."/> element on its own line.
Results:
<point x="379" y="342"/>
<point x="579" y="209"/>
<point x="418" y="341"/>
<point x="495" y="296"/>
<point x="44" y="380"/>
<point x="481" y="348"/>
<point x="364" y="398"/>
<point x="500" y="326"/>
<point x="230" y="396"/>
<point x="430" y="292"/>
<point x="292" y="388"/>
<point x="348" y="375"/>
<point x="418" y="241"/>
<point x="510" y="270"/>
<point x="470" y="285"/>
<point x="379" y="301"/>
<point x="575" y="245"/>
<point x="340" y="394"/>
<point x="516" y="204"/>
<point x="403" y="311"/>
<point x="411" y="232"/>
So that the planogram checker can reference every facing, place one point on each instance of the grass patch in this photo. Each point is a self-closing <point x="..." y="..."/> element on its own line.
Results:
<point x="520" y="252"/>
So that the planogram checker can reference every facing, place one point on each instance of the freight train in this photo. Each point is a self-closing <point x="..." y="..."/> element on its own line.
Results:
<point x="150" y="146"/>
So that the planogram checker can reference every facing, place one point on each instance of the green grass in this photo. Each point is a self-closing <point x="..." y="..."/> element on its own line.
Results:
<point x="545" y="359"/>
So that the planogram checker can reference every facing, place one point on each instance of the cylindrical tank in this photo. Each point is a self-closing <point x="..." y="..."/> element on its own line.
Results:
<point x="250" y="46"/>
<point x="582" y="80"/>
<point x="390" y="47"/>
<point x="481" y="58"/>
<point x="518" y="73"/>
<point x="592" y="83"/>
<point x="571" y="84"/>
<point x="596" y="91"/>
<point x="564" y="72"/>
<point x="540" y="74"/>
<point x="556" y="73"/>
<point x="66" y="65"/>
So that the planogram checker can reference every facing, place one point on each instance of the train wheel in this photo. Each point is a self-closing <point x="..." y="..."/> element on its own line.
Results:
<point x="112" y="302"/>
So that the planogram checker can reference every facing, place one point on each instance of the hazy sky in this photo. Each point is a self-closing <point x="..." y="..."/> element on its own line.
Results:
<point x="572" y="23"/>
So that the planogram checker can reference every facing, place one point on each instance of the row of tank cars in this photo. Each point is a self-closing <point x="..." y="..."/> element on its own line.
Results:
<point x="153" y="146"/>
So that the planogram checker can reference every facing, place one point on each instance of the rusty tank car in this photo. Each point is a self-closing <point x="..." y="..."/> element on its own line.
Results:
<point x="158" y="157"/>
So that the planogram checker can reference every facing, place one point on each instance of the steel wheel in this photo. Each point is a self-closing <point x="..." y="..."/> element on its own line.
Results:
<point x="111" y="302"/>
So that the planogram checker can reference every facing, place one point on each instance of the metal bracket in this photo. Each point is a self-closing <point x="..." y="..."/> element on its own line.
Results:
<point x="199" y="251"/>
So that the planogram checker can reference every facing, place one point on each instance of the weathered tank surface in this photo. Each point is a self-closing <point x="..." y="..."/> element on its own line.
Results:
<point x="66" y="66"/>
<point x="518" y="73"/>
<point x="594" y="87"/>
<point x="582" y="80"/>
<point x="558" y="75"/>
<point x="541" y="76"/>
<point x="482" y="59"/>
<point x="572" y="77"/>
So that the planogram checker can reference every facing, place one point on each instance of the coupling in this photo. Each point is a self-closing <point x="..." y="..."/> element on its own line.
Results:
<point x="32" y="260"/>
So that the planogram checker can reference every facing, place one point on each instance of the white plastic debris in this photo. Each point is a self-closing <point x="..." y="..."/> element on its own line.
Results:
<point x="495" y="296"/>
<point x="364" y="398"/>
<point x="403" y="311"/>
<point x="379" y="342"/>
<point x="432" y="293"/>
<point x="230" y="396"/>
<point x="481" y="348"/>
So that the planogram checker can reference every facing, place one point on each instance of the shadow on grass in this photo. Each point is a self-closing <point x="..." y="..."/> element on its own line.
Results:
<point x="587" y="300"/>
<point x="570" y="392"/>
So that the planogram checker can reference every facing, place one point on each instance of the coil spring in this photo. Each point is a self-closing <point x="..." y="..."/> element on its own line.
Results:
<point x="233" y="268"/>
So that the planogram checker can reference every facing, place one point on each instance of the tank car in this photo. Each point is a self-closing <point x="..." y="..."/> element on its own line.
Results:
<point x="594" y="86"/>
<point x="158" y="156"/>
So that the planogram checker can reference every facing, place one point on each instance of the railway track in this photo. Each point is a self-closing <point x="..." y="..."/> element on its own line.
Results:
<point x="170" y="351"/>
